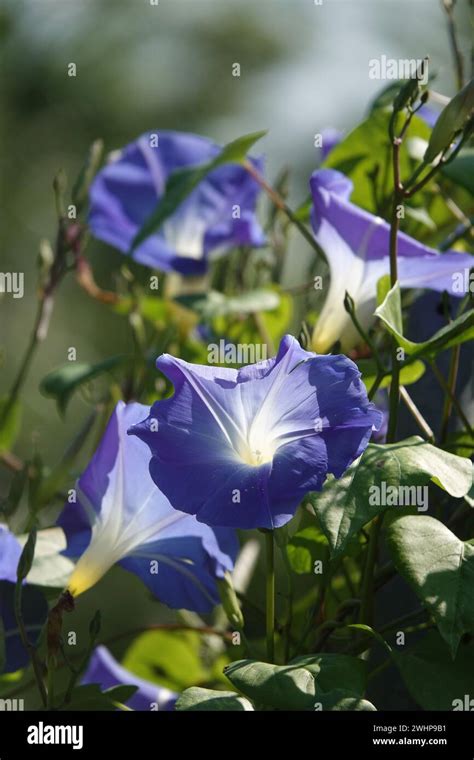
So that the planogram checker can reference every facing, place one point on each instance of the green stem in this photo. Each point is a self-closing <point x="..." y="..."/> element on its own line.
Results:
<point x="280" y="203"/>
<point x="270" y="595"/>
<point x="417" y="415"/>
<point x="27" y="358"/>
<point x="381" y="374"/>
<point x="448" y="401"/>
<point x="452" y="396"/>
<point x="394" y="229"/>
<point x="367" y="588"/>
<point x="50" y="696"/>
<point x="26" y="643"/>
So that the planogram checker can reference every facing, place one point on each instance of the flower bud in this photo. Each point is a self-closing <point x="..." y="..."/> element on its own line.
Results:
<point x="230" y="602"/>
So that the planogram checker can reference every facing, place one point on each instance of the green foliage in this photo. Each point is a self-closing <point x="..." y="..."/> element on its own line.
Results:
<point x="458" y="331"/>
<point x="62" y="383"/>
<point x="197" y="699"/>
<point x="306" y="547"/>
<point x="170" y="658"/>
<point x="461" y="170"/>
<point x="326" y="679"/>
<point x="440" y="569"/>
<point x="433" y="678"/>
<point x="10" y="423"/>
<point x="409" y="374"/>
<point x="214" y="304"/>
<point x="366" y="150"/>
<point x="343" y="507"/>
<point x="90" y="697"/>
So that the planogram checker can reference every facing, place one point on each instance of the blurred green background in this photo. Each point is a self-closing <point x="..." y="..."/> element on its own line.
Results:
<point x="304" y="67"/>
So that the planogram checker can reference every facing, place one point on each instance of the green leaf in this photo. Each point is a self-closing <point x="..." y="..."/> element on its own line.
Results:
<point x="458" y="331"/>
<point x="434" y="680"/>
<point x="90" y="697"/>
<point x="366" y="148"/>
<point x="170" y="658"/>
<point x="61" y="383"/>
<point x="461" y="442"/>
<point x="341" y="700"/>
<point x="195" y="699"/>
<point x="344" y="506"/>
<point x="50" y="568"/>
<point x="26" y="557"/>
<point x="409" y="374"/>
<point x="301" y="683"/>
<point x="214" y="304"/>
<point x="306" y="547"/>
<point x="440" y="569"/>
<point x="383" y="286"/>
<point x="452" y="119"/>
<point x="10" y="423"/>
<point x="461" y="170"/>
<point x="182" y="182"/>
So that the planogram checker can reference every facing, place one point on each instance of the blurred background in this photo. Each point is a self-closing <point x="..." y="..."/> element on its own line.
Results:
<point x="304" y="67"/>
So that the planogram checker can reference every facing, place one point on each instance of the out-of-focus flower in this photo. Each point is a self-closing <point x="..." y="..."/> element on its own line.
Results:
<point x="217" y="215"/>
<point x="121" y="517"/>
<point x="331" y="137"/>
<point x="103" y="669"/>
<point x="242" y="447"/>
<point x="356" y="244"/>
<point x="34" y="605"/>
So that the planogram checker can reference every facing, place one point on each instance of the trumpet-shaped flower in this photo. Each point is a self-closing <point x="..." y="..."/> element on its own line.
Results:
<point x="357" y="247"/>
<point x="104" y="670"/>
<point x="241" y="448"/>
<point x="34" y="605"/>
<point x="218" y="215"/>
<point x="119" y="516"/>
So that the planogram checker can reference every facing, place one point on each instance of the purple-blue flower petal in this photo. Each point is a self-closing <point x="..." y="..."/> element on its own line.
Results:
<point x="120" y="516"/>
<point x="127" y="191"/>
<point x="104" y="670"/>
<point x="240" y="448"/>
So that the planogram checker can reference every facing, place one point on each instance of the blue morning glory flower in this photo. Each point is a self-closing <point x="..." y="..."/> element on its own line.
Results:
<point x="104" y="670"/>
<point x="34" y="605"/>
<point x="217" y="216"/>
<point x="121" y="517"/>
<point x="357" y="247"/>
<point x="241" y="448"/>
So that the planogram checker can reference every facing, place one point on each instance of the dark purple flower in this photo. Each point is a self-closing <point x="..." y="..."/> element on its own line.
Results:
<point x="357" y="246"/>
<point x="242" y="447"/>
<point x="217" y="216"/>
<point x="119" y="516"/>
<point x="104" y="670"/>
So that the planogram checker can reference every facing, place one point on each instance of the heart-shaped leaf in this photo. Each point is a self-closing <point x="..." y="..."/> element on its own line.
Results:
<point x="440" y="569"/>
<point x="344" y="506"/>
